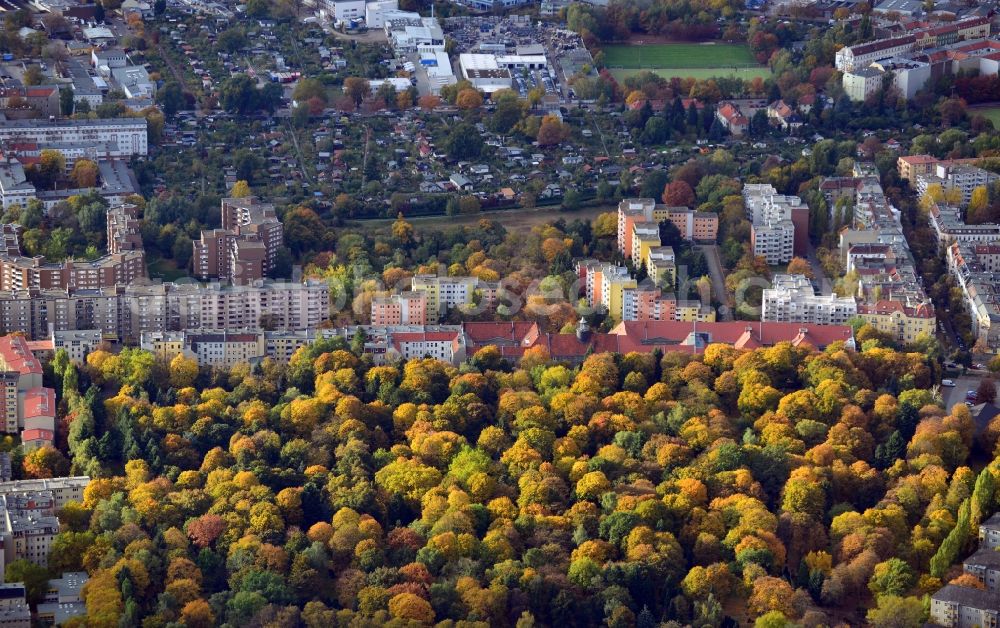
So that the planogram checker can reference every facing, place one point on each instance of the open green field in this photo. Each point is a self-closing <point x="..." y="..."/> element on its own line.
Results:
<point x="990" y="113"/>
<point x="746" y="74"/>
<point x="661" y="56"/>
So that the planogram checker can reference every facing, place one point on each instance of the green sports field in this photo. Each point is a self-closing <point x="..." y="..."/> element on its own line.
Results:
<point x="698" y="61"/>
<point x="746" y="74"/>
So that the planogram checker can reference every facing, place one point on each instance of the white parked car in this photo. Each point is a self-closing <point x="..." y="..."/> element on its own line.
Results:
<point x="947" y="382"/>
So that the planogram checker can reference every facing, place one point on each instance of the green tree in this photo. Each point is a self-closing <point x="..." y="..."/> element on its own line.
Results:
<point x="66" y="100"/>
<point x="34" y="577"/>
<point x="171" y="98"/>
<point x="464" y="142"/>
<point x="893" y="611"/>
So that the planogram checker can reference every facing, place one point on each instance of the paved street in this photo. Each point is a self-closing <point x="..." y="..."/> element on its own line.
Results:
<point x="719" y="292"/>
<point x="955" y="395"/>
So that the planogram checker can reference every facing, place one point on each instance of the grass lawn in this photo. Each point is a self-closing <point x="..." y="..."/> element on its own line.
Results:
<point x="661" y="56"/>
<point x="621" y="74"/>
<point x="165" y="269"/>
<point x="990" y="113"/>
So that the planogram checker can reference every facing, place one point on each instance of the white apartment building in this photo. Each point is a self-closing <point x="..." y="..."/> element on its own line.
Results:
<point x="792" y="299"/>
<point x="63" y="489"/>
<point x="28" y="526"/>
<point x="956" y="606"/>
<point x="861" y="83"/>
<point x="78" y="343"/>
<point x="949" y="226"/>
<point x="127" y="136"/>
<point x="444" y="293"/>
<point x="15" y="189"/>
<point x="226" y="350"/>
<point x="440" y="345"/>
<point x="962" y="177"/>
<point x="852" y="58"/>
<point x="772" y="218"/>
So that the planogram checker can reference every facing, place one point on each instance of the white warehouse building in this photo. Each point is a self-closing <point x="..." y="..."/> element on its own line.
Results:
<point x="483" y="71"/>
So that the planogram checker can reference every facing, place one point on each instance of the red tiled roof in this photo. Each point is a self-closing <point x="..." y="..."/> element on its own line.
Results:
<point x="914" y="160"/>
<point x="429" y="336"/>
<point x="15" y="353"/>
<point x="882" y="44"/>
<point x="495" y="333"/>
<point x="37" y="346"/>
<point x="36" y="434"/>
<point x="885" y="307"/>
<point x="39" y="402"/>
<point x="646" y="336"/>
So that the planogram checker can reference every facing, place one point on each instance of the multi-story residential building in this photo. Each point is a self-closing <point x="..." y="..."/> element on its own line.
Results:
<point x="15" y="189"/>
<point x="613" y="287"/>
<point x="280" y="346"/>
<point x="405" y="308"/>
<point x="792" y="299"/>
<point x="645" y="235"/>
<point x="226" y="349"/>
<point x="440" y="345"/>
<point x="779" y="224"/>
<point x="693" y="311"/>
<point x="122" y="313"/>
<point x="78" y="343"/>
<point x="661" y="265"/>
<point x="444" y="293"/>
<point x="851" y="58"/>
<point x="28" y="526"/>
<point x="861" y="83"/>
<point x="128" y="135"/>
<point x="42" y="98"/>
<point x="124" y="263"/>
<point x="25" y="273"/>
<point x="14" y="609"/>
<point x="245" y="249"/>
<point x="960" y="177"/>
<point x="985" y="566"/>
<point x="62" y="489"/>
<point x="890" y="295"/>
<point x="956" y="606"/>
<point x="989" y="532"/>
<point x="164" y="344"/>
<point x="124" y="229"/>
<point x="692" y="225"/>
<point x="62" y="600"/>
<point x="912" y="166"/>
<point x="975" y="269"/>
<point x="514" y="338"/>
<point x="27" y="405"/>
<point x="647" y="303"/>
<point x="902" y="320"/>
<point x="950" y="226"/>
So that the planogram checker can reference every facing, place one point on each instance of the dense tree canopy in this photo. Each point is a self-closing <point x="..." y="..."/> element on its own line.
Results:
<point x="631" y="488"/>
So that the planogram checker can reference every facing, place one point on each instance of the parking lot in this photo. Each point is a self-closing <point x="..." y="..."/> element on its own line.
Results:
<point x="957" y="394"/>
<point x="518" y="34"/>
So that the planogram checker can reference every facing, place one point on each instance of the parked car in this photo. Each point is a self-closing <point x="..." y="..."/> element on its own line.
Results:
<point x="948" y="382"/>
